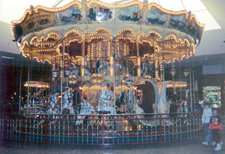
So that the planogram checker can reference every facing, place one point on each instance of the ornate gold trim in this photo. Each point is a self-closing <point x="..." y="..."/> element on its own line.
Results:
<point x="119" y="6"/>
<point x="37" y="8"/>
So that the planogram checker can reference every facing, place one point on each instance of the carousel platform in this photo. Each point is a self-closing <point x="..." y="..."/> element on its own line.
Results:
<point x="192" y="146"/>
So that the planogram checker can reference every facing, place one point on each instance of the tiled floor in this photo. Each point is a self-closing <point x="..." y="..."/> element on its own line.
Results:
<point x="184" y="147"/>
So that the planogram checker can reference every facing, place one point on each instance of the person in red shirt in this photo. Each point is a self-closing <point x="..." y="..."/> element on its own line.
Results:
<point x="215" y="126"/>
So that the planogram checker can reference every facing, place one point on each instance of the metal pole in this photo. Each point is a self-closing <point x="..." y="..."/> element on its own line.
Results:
<point x="180" y="74"/>
<point x="20" y="83"/>
<point x="138" y="58"/>
<point x="114" y="72"/>
<point x="28" y="79"/>
<point x="88" y="91"/>
<point x="163" y="64"/>
<point x="190" y="83"/>
<point x="193" y="70"/>
<point x="62" y="70"/>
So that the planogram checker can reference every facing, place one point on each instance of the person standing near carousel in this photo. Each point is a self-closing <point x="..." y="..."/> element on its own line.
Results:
<point x="215" y="126"/>
<point x="207" y="113"/>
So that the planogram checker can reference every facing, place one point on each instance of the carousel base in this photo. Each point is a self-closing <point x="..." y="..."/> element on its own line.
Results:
<point x="116" y="130"/>
<point x="106" y="140"/>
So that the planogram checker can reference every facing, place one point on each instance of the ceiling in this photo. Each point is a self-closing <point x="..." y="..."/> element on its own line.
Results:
<point x="212" y="41"/>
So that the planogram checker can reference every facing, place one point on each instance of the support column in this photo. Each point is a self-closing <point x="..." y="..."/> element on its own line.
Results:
<point x="62" y="70"/>
<point x="20" y="82"/>
<point x="111" y="61"/>
<point x="138" y="58"/>
<point x="155" y="62"/>
<point x="190" y="78"/>
<point x="114" y="81"/>
<point x="162" y="70"/>
<point x="83" y="55"/>
<point x="28" y="79"/>
<point x="193" y="83"/>
<point x="180" y="73"/>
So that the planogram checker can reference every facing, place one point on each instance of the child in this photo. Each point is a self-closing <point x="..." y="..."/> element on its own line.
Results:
<point x="215" y="126"/>
<point x="207" y="113"/>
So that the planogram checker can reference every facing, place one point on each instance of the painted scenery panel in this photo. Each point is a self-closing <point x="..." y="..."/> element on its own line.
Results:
<point x="36" y="22"/>
<point x="193" y="29"/>
<point x="129" y="14"/>
<point x="100" y="14"/>
<point x="177" y="22"/>
<point x="157" y="17"/>
<point x="72" y="15"/>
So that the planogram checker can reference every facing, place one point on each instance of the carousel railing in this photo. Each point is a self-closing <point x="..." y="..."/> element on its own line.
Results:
<point x="96" y="130"/>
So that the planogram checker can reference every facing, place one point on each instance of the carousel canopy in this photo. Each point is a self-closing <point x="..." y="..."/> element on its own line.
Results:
<point x="206" y="12"/>
<point x="195" y="6"/>
<point x="162" y="34"/>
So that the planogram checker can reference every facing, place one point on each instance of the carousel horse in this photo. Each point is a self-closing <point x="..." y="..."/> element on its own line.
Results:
<point x="160" y="106"/>
<point x="117" y="66"/>
<point x="86" y="72"/>
<point x="102" y="66"/>
<point x="83" y="110"/>
<point x="104" y="70"/>
<point x="187" y="94"/>
<point x="183" y="108"/>
<point x="120" y="102"/>
<point x="75" y="71"/>
<point x="68" y="104"/>
<point x="52" y="108"/>
<point x="146" y="68"/>
<point x="105" y="97"/>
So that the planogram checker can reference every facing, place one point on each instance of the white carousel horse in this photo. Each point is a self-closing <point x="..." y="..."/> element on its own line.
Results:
<point x="86" y="72"/>
<point x="183" y="108"/>
<point x="187" y="94"/>
<point x="117" y="66"/>
<point x="84" y="109"/>
<point x="102" y="64"/>
<point x="67" y="103"/>
<point x="160" y="106"/>
<point x="51" y="109"/>
<point x="104" y="105"/>
<point x="75" y="70"/>
<point x="146" y="68"/>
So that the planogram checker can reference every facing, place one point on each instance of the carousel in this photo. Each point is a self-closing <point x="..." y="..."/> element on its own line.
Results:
<point x="109" y="61"/>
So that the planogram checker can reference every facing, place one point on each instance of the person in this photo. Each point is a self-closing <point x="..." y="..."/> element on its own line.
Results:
<point x="215" y="126"/>
<point x="207" y="113"/>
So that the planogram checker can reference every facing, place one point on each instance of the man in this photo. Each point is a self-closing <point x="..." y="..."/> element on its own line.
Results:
<point x="207" y="113"/>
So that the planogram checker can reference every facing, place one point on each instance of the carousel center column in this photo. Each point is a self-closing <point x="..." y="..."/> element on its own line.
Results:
<point x="112" y="72"/>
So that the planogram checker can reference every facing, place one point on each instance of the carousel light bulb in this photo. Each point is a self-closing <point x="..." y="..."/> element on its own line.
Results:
<point x="139" y="61"/>
<point x="111" y="60"/>
<point x="139" y="71"/>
